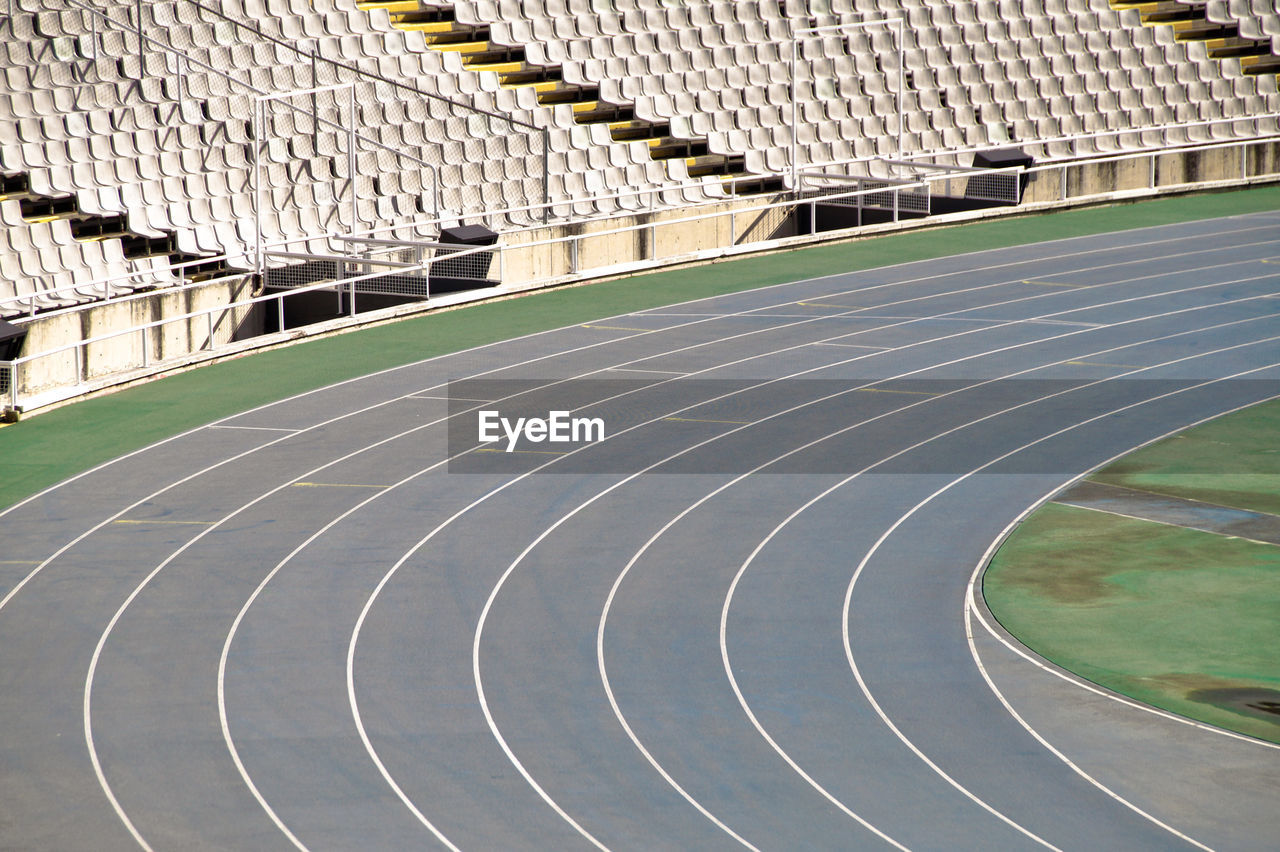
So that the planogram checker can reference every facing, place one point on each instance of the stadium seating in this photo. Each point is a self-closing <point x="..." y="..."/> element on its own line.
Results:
<point x="113" y="164"/>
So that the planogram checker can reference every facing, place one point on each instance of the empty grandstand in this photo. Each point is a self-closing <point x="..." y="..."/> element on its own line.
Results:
<point x="169" y="169"/>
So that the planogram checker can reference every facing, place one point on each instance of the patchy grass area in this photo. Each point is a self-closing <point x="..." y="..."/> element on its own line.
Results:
<point x="1181" y="619"/>
<point x="1233" y="461"/>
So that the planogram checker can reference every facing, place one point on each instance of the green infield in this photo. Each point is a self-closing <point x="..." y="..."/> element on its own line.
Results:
<point x="43" y="450"/>
<point x="1182" y="619"/>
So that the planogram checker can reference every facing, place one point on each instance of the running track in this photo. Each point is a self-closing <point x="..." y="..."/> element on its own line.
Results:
<point x="746" y="619"/>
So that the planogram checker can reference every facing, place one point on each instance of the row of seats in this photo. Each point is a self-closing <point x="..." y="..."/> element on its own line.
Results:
<point x="1257" y="19"/>
<point x="961" y="58"/>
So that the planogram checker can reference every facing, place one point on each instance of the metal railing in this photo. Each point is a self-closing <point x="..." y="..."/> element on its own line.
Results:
<point x="717" y="191"/>
<point x="122" y="287"/>
<point x="591" y="253"/>
<point x="74" y="367"/>
<point x="574" y="256"/>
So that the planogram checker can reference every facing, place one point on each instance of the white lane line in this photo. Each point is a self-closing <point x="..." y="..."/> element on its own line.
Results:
<point x="764" y="289"/>
<point x="87" y="701"/>
<point x="1143" y="519"/>
<point x="502" y="579"/>
<point x="376" y="759"/>
<point x="851" y="345"/>
<point x="935" y="318"/>
<point x="24" y="582"/>
<point x="907" y="515"/>
<point x="451" y="398"/>
<point x="502" y="742"/>
<point x="222" y="678"/>
<point x="255" y="428"/>
<point x="657" y="372"/>
<point x="1069" y="322"/>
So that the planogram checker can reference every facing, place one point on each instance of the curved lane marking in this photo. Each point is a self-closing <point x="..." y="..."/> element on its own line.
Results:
<point x="971" y="602"/>
<point x="903" y="518"/>
<point x="725" y="609"/>
<point x="497" y="734"/>
<point x="13" y="592"/>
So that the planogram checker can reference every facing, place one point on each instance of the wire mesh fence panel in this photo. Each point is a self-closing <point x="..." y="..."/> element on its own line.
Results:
<point x="413" y="282"/>
<point x="1001" y="187"/>
<point x="473" y="266"/>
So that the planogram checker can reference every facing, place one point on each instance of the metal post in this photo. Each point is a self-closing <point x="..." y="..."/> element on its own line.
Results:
<point x="351" y="155"/>
<point x="896" y="193"/>
<point x="502" y="265"/>
<point x="210" y="318"/>
<point x="1062" y="194"/>
<point x="315" y="105"/>
<point x="80" y="362"/>
<point x="902" y="88"/>
<point x="142" y="65"/>
<point x="733" y="227"/>
<point x="573" y="255"/>
<point x="280" y="312"/>
<point x="146" y="355"/>
<point x="813" y="217"/>
<point x="435" y="193"/>
<point x="1244" y="162"/>
<point x="794" y="115"/>
<point x="653" y="239"/>
<point x="1151" y="173"/>
<point x="546" y="179"/>
<point x="259" y="120"/>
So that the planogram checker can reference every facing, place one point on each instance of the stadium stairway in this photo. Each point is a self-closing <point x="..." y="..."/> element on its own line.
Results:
<point x="1217" y="28"/>
<point x="475" y="43"/>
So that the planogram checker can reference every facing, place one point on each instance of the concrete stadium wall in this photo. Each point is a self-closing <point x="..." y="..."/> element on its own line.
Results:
<point x="1162" y="170"/>
<point x="659" y="234"/>
<point x="106" y="361"/>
